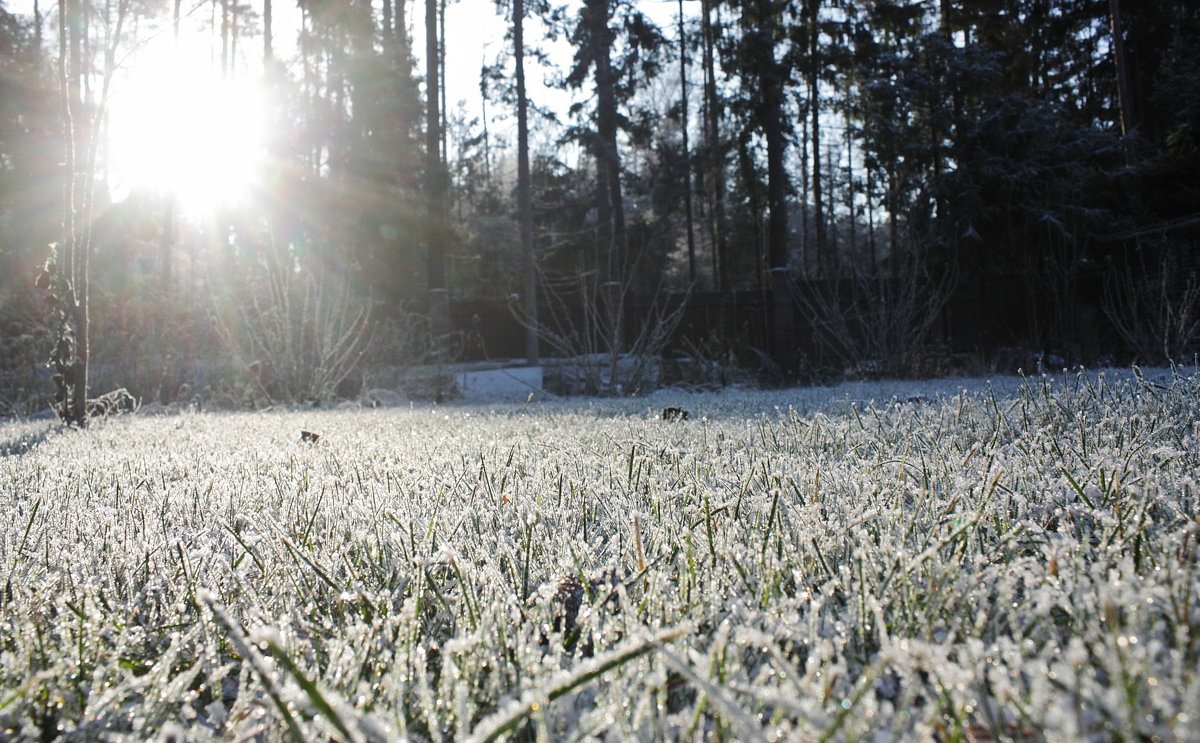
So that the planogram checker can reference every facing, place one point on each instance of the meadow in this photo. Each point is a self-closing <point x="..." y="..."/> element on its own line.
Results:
<point x="952" y="560"/>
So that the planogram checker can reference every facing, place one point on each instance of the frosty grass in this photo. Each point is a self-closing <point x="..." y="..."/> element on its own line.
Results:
<point x="960" y="560"/>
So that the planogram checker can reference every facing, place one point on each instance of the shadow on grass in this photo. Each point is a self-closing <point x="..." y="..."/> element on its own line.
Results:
<point x="24" y="443"/>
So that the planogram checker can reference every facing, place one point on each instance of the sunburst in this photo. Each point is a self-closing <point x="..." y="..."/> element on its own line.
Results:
<point x="185" y="129"/>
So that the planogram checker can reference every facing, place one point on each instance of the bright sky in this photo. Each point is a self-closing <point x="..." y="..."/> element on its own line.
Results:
<point x="476" y="37"/>
<point x="160" y="100"/>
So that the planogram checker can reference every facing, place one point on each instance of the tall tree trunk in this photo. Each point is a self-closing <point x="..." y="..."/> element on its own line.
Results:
<point x="716" y="164"/>
<point x="772" y="123"/>
<point x="871" y="220"/>
<point x="72" y="351"/>
<point x="615" y="271"/>
<point x="525" y="188"/>
<point x="433" y="148"/>
<point x="609" y="159"/>
<point x="893" y="202"/>
<point x="213" y="28"/>
<point x="687" y="154"/>
<point x="166" y="239"/>
<point x="89" y="143"/>
<point x="850" y="207"/>
<point x="435" y="177"/>
<point x="1124" y="94"/>
<point x="225" y="39"/>
<point x="748" y="170"/>
<point x="771" y="113"/>
<point x="85" y="39"/>
<point x="234" y="12"/>
<point x="66" y="355"/>
<point x="814" y="105"/>
<point x="166" y="244"/>
<point x="834" y="246"/>
<point x="485" y="117"/>
<point x="37" y="35"/>
<point x="442" y="74"/>
<point x="808" y="254"/>
<point x="408" y="101"/>
<point x="75" y="252"/>
<point x="268" y="31"/>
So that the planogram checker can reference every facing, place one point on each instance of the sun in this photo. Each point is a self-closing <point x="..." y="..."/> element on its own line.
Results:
<point x="185" y="129"/>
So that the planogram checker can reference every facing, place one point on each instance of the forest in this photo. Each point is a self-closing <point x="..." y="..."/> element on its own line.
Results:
<point x="805" y="189"/>
<point x="878" y="263"/>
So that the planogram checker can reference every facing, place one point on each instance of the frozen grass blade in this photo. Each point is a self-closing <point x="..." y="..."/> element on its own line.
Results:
<point x="415" y="566"/>
<point x="746" y="728"/>
<point x="1078" y="490"/>
<point x="531" y="701"/>
<point x="316" y="697"/>
<point x="259" y="664"/>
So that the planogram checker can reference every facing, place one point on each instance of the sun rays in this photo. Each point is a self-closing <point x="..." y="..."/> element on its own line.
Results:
<point x="179" y="127"/>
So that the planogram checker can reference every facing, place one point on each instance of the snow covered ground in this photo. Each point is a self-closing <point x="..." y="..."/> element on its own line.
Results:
<point x="958" y="559"/>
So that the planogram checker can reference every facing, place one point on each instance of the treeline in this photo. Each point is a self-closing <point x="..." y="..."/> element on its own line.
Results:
<point x="866" y="166"/>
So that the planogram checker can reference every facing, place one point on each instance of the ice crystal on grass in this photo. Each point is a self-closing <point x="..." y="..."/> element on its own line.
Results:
<point x="967" y="559"/>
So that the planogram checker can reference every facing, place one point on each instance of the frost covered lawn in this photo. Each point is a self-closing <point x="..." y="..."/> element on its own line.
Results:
<point x="977" y="562"/>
